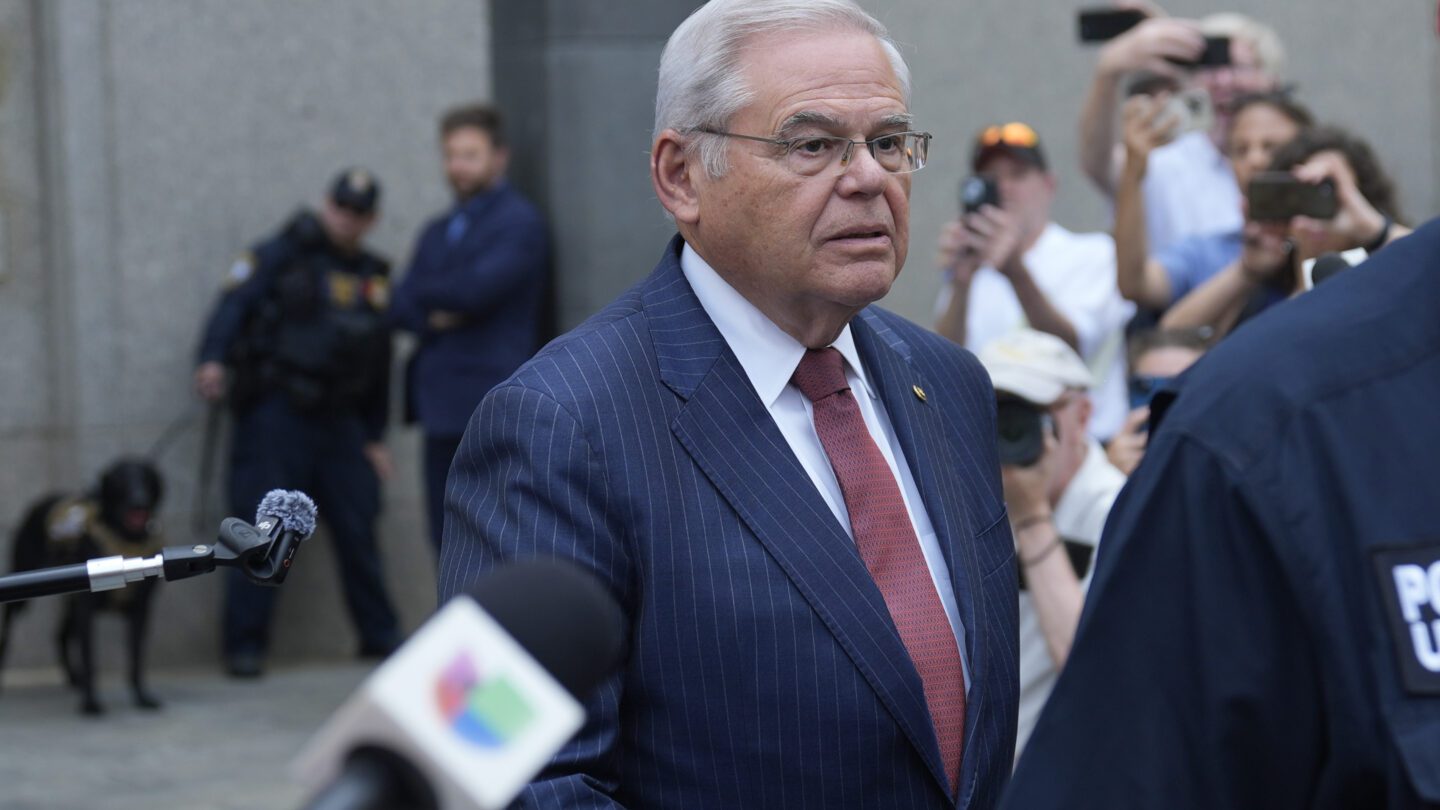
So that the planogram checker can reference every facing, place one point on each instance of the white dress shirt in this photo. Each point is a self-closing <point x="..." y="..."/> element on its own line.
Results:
<point x="769" y="357"/>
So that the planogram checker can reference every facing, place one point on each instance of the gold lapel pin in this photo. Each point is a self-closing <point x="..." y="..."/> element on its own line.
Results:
<point x="919" y="392"/>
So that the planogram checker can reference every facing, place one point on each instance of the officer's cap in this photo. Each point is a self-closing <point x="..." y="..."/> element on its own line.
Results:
<point x="356" y="189"/>
<point x="1035" y="366"/>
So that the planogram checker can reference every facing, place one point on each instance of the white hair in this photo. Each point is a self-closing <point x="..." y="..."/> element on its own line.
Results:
<point x="701" y="85"/>
<point x="1269" y="50"/>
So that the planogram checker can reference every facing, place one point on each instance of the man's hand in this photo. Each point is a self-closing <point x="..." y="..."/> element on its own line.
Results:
<point x="1147" y="46"/>
<point x="1265" y="251"/>
<point x="210" y="381"/>
<point x="1027" y="489"/>
<point x="997" y="237"/>
<point x="379" y="457"/>
<point x="1128" y="446"/>
<point x="1147" y="126"/>
<point x="1356" y="224"/>
<point x="959" y="252"/>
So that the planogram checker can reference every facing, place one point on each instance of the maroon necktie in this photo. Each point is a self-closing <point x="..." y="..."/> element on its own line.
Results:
<point x="888" y="545"/>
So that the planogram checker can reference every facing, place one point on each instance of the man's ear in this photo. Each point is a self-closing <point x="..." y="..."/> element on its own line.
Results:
<point x="673" y="173"/>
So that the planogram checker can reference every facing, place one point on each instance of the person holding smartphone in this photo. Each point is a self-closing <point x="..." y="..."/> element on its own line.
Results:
<point x="1274" y="251"/>
<point x="1154" y="281"/>
<point x="1008" y="265"/>
<point x="1189" y="189"/>
<point x="1157" y="358"/>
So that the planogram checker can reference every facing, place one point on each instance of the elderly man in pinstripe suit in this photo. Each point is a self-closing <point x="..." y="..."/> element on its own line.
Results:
<point x="794" y="494"/>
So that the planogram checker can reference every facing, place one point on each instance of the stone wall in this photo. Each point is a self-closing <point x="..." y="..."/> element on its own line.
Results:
<point x="144" y="145"/>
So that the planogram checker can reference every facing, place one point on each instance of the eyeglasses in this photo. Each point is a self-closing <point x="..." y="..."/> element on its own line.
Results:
<point x="1011" y="134"/>
<point x="809" y="155"/>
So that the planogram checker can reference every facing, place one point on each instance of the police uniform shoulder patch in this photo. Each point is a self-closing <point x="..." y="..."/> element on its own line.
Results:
<point x="377" y="292"/>
<point x="241" y="271"/>
<point x="344" y="289"/>
<point x="1409" y="582"/>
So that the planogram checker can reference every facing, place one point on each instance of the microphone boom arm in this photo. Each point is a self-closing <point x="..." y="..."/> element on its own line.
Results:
<point x="239" y="545"/>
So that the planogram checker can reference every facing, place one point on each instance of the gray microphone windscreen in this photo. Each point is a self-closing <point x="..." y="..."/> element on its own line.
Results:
<point x="293" y="508"/>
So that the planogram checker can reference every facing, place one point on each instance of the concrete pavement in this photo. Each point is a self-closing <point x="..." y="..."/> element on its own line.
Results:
<point x="217" y="743"/>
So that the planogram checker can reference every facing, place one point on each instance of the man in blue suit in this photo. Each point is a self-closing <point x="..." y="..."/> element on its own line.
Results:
<point x="795" y="496"/>
<point x="474" y="294"/>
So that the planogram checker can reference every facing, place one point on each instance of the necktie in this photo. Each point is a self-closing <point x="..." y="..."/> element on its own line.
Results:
<point x="888" y="545"/>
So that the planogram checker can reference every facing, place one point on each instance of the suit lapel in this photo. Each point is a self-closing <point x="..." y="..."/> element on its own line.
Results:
<point x="732" y="438"/>
<point x="920" y="430"/>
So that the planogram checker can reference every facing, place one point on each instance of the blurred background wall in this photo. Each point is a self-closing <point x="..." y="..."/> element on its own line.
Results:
<point x="144" y="143"/>
<point x="142" y="146"/>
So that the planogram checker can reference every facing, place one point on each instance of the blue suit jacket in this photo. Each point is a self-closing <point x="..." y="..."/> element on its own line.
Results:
<point x="764" y="669"/>
<point x="495" y="276"/>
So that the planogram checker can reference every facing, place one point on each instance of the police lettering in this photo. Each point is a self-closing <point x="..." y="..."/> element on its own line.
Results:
<point x="1417" y="587"/>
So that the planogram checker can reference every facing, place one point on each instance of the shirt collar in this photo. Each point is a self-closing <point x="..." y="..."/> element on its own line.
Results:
<point x="766" y="353"/>
<point x="471" y="204"/>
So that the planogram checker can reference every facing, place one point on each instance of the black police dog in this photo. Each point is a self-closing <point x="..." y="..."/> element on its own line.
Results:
<point x="116" y="517"/>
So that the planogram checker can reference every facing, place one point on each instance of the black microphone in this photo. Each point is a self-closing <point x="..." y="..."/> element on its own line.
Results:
<point x="288" y="518"/>
<point x="1326" y="266"/>
<point x="468" y="710"/>
<point x="263" y="552"/>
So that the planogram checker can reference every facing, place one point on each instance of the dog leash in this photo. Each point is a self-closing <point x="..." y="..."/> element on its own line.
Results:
<point x="208" y="446"/>
<point x="200" y="508"/>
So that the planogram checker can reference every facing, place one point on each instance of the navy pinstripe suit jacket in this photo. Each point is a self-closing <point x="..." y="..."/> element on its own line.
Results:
<point x="764" y="670"/>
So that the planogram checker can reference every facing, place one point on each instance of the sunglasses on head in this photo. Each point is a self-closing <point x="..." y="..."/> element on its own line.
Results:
<point x="1011" y="134"/>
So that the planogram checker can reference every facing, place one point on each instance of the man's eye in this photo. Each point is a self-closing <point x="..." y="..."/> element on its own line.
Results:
<point x="813" y="147"/>
<point x="887" y="143"/>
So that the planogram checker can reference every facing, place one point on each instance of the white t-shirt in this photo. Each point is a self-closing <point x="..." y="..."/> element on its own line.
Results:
<point x="1190" y="190"/>
<point x="1076" y="272"/>
<point x="1079" y="517"/>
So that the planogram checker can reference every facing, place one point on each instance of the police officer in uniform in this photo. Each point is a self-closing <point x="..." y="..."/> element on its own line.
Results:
<point x="1263" y="630"/>
<point x="299" y="345"/>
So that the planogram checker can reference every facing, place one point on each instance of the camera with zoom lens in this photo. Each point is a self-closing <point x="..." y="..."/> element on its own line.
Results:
<point x="1021" y="426"/>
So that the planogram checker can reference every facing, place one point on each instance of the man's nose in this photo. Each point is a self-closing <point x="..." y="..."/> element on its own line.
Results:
<point x="863" y="173"/>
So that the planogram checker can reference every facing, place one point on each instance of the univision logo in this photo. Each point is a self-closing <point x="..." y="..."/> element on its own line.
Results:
<point x="489" y="712"/>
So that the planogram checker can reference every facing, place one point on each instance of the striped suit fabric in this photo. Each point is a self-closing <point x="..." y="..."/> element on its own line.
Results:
<point x="764" y="670"/>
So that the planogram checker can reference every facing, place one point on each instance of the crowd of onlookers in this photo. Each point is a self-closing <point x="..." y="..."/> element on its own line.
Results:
<point x="1225" y="189"/>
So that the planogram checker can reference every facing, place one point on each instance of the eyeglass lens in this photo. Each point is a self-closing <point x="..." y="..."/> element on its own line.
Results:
<point x="899" y="153"/>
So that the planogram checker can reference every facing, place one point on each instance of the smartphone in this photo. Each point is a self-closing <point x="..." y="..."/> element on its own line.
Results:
<point x="1215" y="54"/>
<point x="1102" y="24"/>
<point x="976" y="191"/>
<point x="1192" y="109"/>
<point x="1278" y="196"/>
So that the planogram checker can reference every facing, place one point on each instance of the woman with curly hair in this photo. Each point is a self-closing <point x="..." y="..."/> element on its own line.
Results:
<point x="1273" y="254"/>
